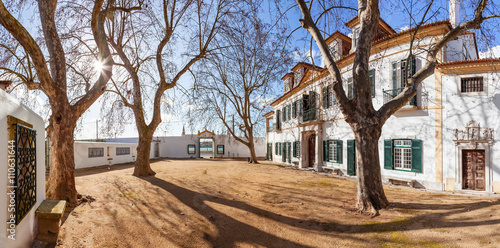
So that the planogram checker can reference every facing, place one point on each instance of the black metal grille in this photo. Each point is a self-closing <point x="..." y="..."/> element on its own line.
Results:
<point x="25" y="183"/>
<point x="473" y="84"/>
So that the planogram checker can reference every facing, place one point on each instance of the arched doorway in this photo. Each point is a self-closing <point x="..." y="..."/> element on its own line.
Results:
<point x="312" y="150"/>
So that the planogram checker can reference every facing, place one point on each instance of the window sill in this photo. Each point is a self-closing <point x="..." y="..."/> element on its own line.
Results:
<point x="466" y="94"/>
<point x="404" y="171"/>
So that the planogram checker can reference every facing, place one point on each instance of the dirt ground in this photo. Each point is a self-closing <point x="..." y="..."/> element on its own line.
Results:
<point x="210" y="203"/>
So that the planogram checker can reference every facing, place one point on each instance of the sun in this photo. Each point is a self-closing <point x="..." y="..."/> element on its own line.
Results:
<point x="98" y="66"/>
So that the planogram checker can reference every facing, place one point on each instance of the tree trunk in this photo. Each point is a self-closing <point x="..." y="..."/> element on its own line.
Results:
<point x="371" y="196"/>
<point x="253" y="156"/>
<point x="61" y="182"/>
<point x="142" y="164"/>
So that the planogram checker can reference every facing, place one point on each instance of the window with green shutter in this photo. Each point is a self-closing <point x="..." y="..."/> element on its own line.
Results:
<point x="294" y="109"/>
<point x="332" y="151"/>
<point x="276" y="148"/>
<point x="403" y="154"/>
<point x="351" y="157"/>
<point x="296" y="149"/>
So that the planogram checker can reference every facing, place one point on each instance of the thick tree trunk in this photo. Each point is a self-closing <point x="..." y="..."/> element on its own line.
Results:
<point x="142" y="164"/>
<point x="253" y="156"/>
<point x="61" y="182"/>
<point x="371" y="196"/>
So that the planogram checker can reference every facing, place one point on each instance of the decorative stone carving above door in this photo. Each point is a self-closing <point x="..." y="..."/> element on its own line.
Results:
<point x="474" y="132"/>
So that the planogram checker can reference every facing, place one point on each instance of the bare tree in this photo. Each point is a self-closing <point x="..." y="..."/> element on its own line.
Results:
<point x="51" y="77"/>
<point x="190" y="25"/>
<point x="365" y="121"/>
<point x="236" y="83"/>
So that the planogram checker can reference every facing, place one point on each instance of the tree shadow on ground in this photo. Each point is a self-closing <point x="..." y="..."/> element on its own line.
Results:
<point x="232" y="231"/>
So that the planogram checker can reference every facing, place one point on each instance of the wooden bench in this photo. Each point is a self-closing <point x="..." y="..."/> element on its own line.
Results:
<point x="49" y="215"/>
<point x="401" y="181"/>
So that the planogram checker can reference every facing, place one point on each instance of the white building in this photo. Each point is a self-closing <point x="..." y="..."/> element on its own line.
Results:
<point x="443" y="139"/>
<point x="22" y="166"/>
<point x="205" y="144"/>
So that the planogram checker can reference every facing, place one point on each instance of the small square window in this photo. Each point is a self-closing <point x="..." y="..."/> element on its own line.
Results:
<point x="191" y="149"/>
<point x="220" y="149"/>
<point x="471" y="84"/>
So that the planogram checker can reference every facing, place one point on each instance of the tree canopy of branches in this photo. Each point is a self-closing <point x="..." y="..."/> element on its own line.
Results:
<point x="233" y="86"/>
<point x="365" y="121"/>
<point x="44" y="64"/>
<point x="145" y="45"/>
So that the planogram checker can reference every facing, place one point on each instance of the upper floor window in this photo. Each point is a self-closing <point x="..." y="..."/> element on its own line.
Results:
<point x="401" y="71"/>
<point x="297" y="77"/>
<point x="286" y="87"/>
<point x="328" y="96"/>
<point x="350" y="89"/>
<point x="471" y="84"/>
<point x="356" y="36"/>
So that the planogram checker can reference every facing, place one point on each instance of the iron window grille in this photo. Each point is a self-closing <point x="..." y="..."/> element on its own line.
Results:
<point x="472" y="84"/>
<point x="122" y="151"/>
<point x="95" y="152"/>
<point x="25" y="175"/>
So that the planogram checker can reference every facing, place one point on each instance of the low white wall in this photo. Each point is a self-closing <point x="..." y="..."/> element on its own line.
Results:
<point x="26" y="231"/>
<point x="176" y="146"/>
<point x="109" y="156"/>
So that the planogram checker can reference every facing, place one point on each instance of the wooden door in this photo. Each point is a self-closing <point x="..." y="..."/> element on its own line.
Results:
<point x="473" y="169"/>
<point x="312" y="150"/>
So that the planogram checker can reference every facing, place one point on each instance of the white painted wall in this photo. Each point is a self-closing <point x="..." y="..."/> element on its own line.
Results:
<point x="26" y="230"/>
<point x="82" y="159"/>
<point x="176" y="146"/>
<point x="461" y="108"/>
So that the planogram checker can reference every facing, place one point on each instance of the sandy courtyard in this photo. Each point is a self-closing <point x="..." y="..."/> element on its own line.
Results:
<point x="224" y="203"/>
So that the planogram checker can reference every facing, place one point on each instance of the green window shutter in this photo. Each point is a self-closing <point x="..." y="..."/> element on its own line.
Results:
<point x="394" y="75"/>
<point x="388" y="157"/>
<point x="325" y="97"/>
<point x="325" y="150"/>
<point x="416" y="155"/>
<point x="289" y="152"/>
<point x="413" y="63"/>
<point x="294" y="109"/>
<point x="351" y="157"/>
<point x="339" y="151"/>
<point x="372" y="80"/>
<point x="312" y="100"/>
<point x="289" y="111"/>
<point x="283" y="152"/>
<point x="278" y="119"/>
<point x="283" y="114"/>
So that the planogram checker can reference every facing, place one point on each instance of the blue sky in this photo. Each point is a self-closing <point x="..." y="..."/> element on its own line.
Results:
<point x="393" y="12"/>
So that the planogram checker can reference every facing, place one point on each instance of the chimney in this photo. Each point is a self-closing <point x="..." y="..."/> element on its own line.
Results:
<point x="454" y="13"/>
